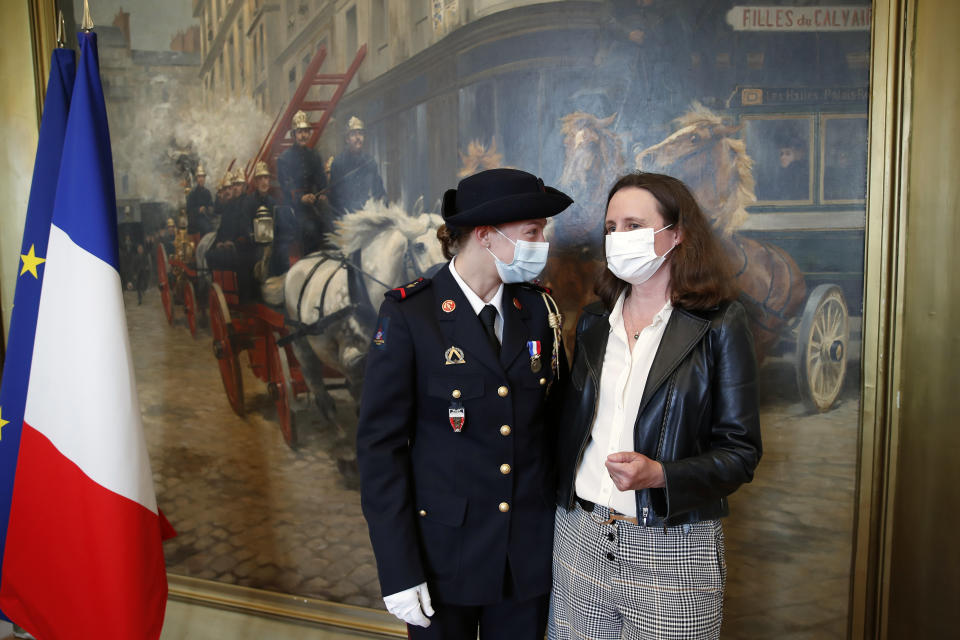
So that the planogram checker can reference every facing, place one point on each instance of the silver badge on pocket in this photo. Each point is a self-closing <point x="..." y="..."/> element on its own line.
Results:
<point x="458" y="415"/>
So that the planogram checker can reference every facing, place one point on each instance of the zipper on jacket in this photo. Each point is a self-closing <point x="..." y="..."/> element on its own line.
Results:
<point x="659" y="452"/>
<point x="663" y="422"/>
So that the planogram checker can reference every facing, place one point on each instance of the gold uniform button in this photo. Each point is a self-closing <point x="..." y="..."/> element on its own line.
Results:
<point x="504" y="507"/>
<point x="423" y="512"/>
<point x="456" y="393"/>
<point x="505" y="469"/>
<point x="543" y="381"/>
<point x="502" y="392"/>
<point x="505" y="430"/>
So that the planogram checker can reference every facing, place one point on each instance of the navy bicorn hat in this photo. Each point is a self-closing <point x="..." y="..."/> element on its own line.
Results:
<point x="496" y="196"/>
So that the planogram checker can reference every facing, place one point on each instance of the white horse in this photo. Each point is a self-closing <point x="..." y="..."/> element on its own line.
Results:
<point x="390" y="248"/>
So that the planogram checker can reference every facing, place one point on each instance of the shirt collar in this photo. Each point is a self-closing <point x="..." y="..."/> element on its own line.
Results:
<point x="476" y="302"/>
<point x="616" y="314"/>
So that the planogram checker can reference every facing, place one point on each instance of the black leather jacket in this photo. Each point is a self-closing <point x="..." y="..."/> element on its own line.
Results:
<point x="697" y="417"/>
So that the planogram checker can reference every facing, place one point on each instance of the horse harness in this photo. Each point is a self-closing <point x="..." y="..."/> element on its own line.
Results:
<point x="763" y="306"/>
<point x="357" y="291"/>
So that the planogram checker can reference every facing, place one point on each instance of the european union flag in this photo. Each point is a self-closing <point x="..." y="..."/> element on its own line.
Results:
<point x="33" y="251"/>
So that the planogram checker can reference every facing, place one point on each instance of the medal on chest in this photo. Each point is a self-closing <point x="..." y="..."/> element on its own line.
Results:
<point x="533" y="347"/>
<point x="458" y="415"/>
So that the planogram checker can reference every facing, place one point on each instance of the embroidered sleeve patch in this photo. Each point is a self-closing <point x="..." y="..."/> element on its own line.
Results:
<point x="380" y="336"/>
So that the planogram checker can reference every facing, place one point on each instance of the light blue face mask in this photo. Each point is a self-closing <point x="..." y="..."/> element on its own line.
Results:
<point x="529" y="259"/>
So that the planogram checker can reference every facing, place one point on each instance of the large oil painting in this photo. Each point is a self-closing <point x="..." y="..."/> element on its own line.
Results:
<point x="279" y="165"/>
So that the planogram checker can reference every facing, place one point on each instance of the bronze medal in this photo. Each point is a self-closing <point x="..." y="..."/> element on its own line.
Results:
<point x="533" y="348"/>
<point x="535" y="365"/>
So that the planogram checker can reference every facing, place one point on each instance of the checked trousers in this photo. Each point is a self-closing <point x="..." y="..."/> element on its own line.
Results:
<point x="621" y="580"/>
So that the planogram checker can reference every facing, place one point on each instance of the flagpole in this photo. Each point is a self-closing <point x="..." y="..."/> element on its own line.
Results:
<point x="61" y="41"/>
<point x="87" y="25"/>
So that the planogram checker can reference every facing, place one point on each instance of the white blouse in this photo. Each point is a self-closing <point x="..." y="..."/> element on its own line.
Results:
<point x="622" y="381"/>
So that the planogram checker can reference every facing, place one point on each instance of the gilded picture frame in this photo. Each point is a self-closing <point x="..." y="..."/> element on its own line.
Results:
<point x="885" y="54"/>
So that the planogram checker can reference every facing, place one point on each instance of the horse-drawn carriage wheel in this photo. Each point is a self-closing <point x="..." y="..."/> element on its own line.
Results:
<point x="190" y="306"/>
<point x="281" y="390"/>
<point x="163" y="280"/>
<point x="223" y="349"/>
<point x="822" y="342"/>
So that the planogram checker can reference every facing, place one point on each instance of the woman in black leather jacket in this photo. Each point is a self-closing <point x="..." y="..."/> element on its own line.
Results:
<point x="659" y="426"/>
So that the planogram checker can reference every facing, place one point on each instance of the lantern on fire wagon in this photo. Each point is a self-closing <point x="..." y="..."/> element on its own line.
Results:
<point x="263" y="226"/>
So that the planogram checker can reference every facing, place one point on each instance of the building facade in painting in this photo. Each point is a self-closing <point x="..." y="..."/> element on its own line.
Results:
<point x="575" y="91"/>
<point x="136" y="81"/>
<point x="261" y="48"/>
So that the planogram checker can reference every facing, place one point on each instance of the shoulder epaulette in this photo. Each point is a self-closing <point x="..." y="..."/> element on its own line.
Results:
<point x="407" y="290"/>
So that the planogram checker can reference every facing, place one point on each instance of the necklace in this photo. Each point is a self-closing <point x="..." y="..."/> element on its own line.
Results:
<point x="636" y="332"/>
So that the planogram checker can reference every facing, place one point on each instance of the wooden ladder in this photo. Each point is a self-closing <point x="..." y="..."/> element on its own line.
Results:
<point x="278" y="139"/>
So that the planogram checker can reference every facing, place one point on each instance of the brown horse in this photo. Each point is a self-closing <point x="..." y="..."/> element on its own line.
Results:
<point x="592" y="156"/>
<point x="479" y="158"/>
<point x="704" y="154"/>
<point x="593" y="159"/>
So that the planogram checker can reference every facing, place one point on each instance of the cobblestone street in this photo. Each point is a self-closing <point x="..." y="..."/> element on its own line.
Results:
<point x="249" y="511"/>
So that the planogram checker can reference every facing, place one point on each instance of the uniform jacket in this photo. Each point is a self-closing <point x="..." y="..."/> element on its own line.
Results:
<point x="697" y="416"/>
<point x="442" y="506"/>
<point x="300" y="171"/>
<point x="354" y="179"/>
<point x="199" y="222"/>
<point x="256" y="200"/>
<point x="236" y="223"/>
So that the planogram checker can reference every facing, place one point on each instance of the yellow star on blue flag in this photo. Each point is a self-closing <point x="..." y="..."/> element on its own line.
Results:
<point x="31" y="262"/>
<point x="26" y="295"/>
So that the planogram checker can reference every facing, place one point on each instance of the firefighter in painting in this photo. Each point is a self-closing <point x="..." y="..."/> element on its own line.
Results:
<point x="354" y="177"/>
<point x="304" y="183"/>
<point x="262" y="202"/>
<point x="261" y="196"/>
<point x="199" y="205"/>
<point x="233" y="248"/>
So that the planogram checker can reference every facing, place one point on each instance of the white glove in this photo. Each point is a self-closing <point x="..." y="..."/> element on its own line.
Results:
<point x="410" y="605"/>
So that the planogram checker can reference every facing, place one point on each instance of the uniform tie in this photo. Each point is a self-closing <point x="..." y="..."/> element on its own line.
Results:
<point x="488" y="316"/>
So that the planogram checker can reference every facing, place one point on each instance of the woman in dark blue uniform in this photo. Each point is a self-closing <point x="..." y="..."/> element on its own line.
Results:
<point x="454" y="441"/>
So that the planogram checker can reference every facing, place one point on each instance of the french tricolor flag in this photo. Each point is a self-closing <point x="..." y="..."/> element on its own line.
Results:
<point x="82" y="555"/>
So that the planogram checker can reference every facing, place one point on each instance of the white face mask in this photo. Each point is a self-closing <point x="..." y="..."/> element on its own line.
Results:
<point x="529" y="259"/>
<point x="630" y="254"/>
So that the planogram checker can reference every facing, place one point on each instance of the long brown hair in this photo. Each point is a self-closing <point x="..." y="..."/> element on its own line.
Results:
<point x="700" y="274"/>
